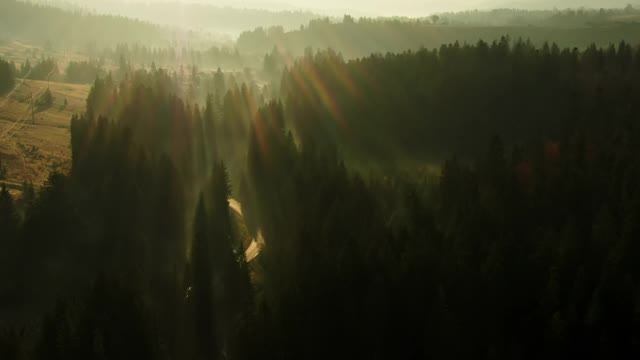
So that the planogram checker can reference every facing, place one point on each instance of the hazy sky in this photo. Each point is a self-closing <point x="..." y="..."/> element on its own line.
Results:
<point x="396" y="7"/>
<point x="418" y="7"/>
<point x="378" y="7"/>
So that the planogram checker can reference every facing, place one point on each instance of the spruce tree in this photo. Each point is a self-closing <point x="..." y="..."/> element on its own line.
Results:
<point x="203" y="292"/>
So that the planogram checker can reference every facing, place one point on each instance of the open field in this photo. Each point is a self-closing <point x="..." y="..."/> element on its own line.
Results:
<point x="31" y="150"/>
<point x="18" y="52"/>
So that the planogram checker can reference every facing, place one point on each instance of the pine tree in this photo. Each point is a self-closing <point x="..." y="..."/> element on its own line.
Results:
<point x="231" y="275"/>
<point x="25" y="68"/>
<point x="45" y="101"/>
<point x="55" y="337"/>
<point x="7" y="76"/>
<point x="221" y="221"/>
<point x="9" y="222"/>
<point x="203" y="292"/>
<point x="3" y="170"/>
<point x="8" y="216"/>
<point x="219" y="85"/>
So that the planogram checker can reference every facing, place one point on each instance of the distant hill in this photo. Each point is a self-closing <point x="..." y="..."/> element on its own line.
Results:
<point x="50" y="26"/>
<point x="559" y="4"/>
<point x="563" y="18"/>
<point x="193" y="15"/>
<point x="358" y="38"/>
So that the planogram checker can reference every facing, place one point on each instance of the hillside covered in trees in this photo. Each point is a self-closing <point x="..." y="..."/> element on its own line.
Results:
<point x="7" y="76"/>
<point x="74" y="29"/>
<point x="521" y="246"/>
<point x="563" y="18"/>
<point x="356" y="38"/>
<point x="428" y="105"/>
<point x="194" y="15"/>
<point x="225" y="56"/>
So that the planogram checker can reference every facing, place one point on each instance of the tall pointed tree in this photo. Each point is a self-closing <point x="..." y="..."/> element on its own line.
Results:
<point x="8" y="237"/>
<point x="8" y="215"/>
<point x="224" y="264"/>
<point x="203" y="286"/>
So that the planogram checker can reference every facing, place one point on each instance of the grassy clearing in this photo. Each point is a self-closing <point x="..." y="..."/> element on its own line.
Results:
<point x="19" y="52"/>
<point x="31" y="150"/>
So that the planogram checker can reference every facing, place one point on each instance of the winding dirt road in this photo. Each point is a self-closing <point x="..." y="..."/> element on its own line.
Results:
<point x="257" y="244"/>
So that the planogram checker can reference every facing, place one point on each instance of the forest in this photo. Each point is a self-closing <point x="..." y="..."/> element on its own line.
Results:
<point x="215" y="17"/>
<point x="215" y="56"/>
<point x="457" y="186"/>
<point x="565" y="18"/>
<point x="7" y="76"/>
<point x="84" y="72"/>
<point x="74" y="29"/>
<point x="511" y="89"/>
<point x="524" y="250"/>
<point x="361" y="37"/>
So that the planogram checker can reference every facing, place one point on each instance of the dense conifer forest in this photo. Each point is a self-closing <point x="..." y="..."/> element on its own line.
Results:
<point x="211" y="16"/>
<point x="75" y="29"/>
<point x="7" y="75"/>
<point x="521" y="246"/>
<point x="460" y="186"/>
<point x="356" y="38"/>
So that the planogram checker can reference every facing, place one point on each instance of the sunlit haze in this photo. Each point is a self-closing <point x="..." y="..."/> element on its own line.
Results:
<point x="319" y="179"/>
<point x="410" y="8"/>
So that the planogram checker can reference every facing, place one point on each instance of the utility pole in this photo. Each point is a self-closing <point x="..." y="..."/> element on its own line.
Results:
<point x="33" y="115"/>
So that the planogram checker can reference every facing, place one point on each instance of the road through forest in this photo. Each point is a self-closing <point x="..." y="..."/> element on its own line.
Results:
<point x="256" y="244"/>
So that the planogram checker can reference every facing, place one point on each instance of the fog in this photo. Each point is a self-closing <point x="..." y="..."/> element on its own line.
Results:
<point x="411" y="8"/>
<point x="319" y="179"/>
